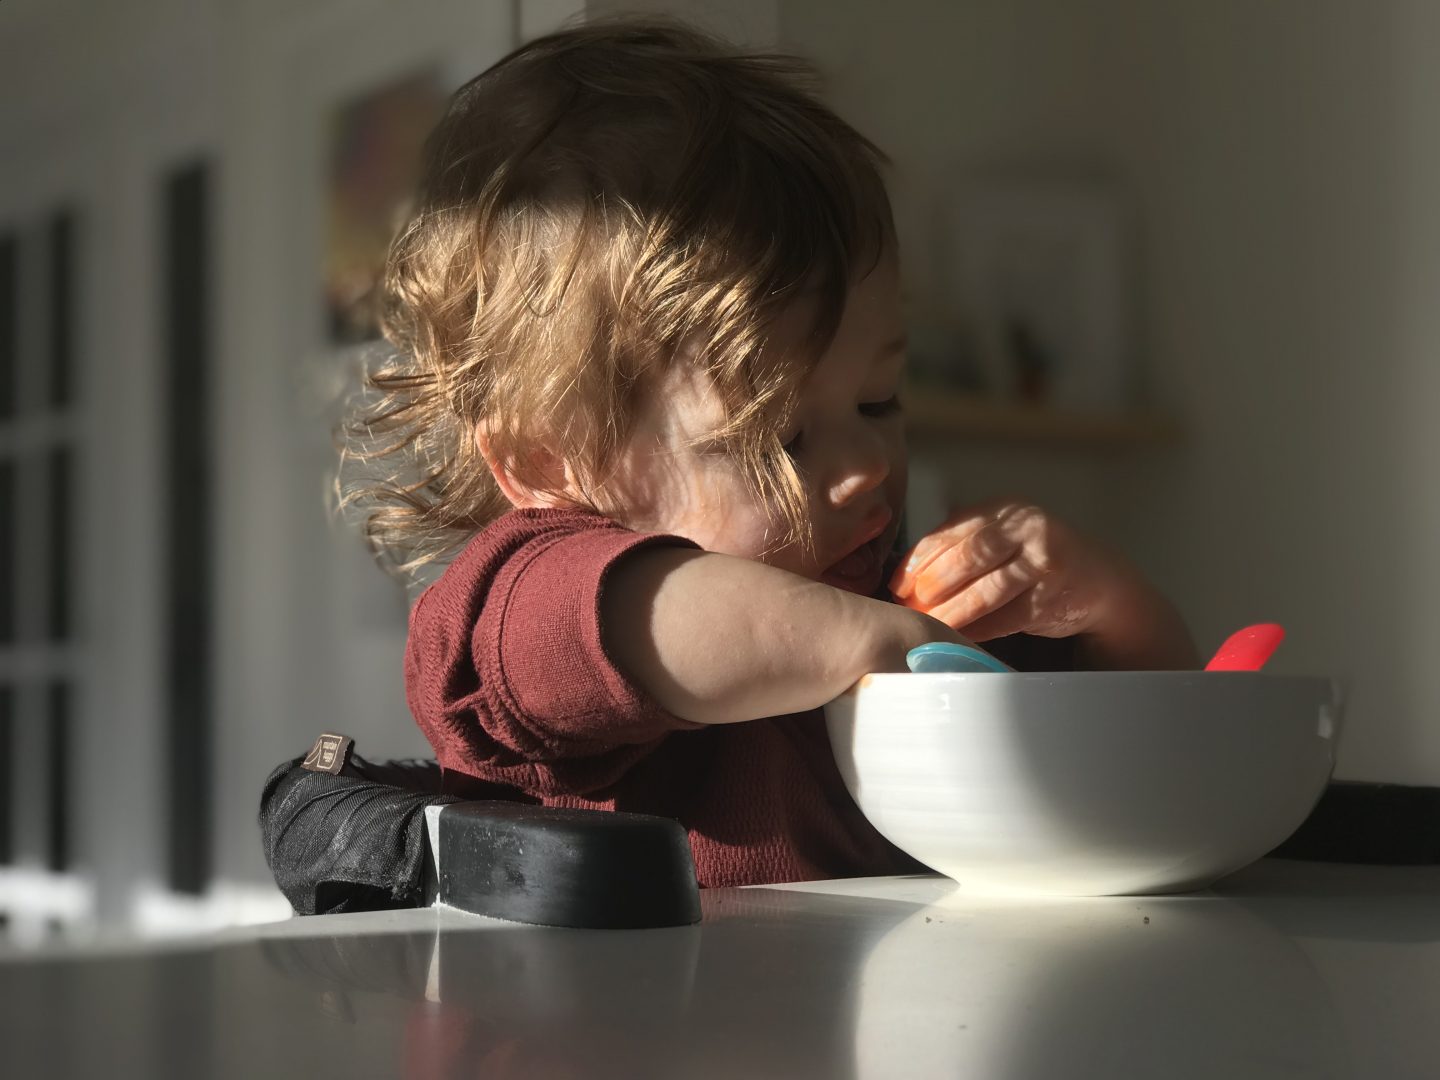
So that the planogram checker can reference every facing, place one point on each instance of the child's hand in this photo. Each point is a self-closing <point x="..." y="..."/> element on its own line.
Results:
<point x="1007" y="567"/>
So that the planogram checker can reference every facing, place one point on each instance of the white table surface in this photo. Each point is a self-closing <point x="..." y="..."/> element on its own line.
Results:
<point x="1283" y="970"/>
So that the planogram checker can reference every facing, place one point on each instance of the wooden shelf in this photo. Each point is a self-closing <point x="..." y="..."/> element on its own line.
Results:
<point x="937" y="415"/>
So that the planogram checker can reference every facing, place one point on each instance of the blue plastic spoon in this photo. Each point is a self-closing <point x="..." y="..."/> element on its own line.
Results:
<point x="937" y="656"/>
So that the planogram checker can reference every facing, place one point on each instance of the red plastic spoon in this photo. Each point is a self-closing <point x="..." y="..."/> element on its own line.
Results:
<point x="1248" y="649"/>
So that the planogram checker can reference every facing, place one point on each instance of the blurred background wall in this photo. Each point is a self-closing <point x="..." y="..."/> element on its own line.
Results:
<point x="179" y="612"/>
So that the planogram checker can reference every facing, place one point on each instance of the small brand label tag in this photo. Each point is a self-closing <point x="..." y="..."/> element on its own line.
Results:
<point x="329" y="754"/>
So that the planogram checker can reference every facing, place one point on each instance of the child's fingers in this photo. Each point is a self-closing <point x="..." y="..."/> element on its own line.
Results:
<point x="902" y="581"/>
<point x="950" y="545"/>
<point x="986" y="594"/>
<point x="962" y="527"/>
<point x="956" y="528"/>
<point x="955" y="567"/>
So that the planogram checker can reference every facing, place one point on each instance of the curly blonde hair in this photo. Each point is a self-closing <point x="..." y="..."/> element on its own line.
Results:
<point x="598" y="201"/>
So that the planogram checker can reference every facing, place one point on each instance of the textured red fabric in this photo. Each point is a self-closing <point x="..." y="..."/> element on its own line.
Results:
<point x="507" y="675"/>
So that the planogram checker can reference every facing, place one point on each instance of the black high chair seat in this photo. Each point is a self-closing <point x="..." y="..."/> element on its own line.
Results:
<point x="355" y="835"/>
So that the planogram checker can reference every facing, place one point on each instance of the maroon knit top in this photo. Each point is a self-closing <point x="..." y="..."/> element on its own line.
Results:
<point x="507" y="674"/>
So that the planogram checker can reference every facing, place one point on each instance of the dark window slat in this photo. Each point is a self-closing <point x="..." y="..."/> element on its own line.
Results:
<point x="62" y="308"/>
<point x="9" y="322"/>
<point x="9" y="524"/>
<point x="7" y="775"/>
<point x="57" y="754"/>
<point x="188" y="555"/>
<point x="60" y="543"/>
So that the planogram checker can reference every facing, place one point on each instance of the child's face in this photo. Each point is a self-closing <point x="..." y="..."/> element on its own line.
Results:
<point x="848" y="446"/>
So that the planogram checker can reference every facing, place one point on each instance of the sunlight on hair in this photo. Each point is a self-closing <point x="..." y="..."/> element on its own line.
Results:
<point x="592" y="203"/>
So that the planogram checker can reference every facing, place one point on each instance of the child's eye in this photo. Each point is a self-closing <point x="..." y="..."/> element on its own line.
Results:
<point x="881" y="408"/>
<point x="792" y="448"/>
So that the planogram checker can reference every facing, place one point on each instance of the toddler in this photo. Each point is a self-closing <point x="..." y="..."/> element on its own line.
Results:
<point x="649" y="355"/>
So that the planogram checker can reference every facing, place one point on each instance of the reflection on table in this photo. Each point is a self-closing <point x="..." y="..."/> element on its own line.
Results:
<point x="1285" y="969"/>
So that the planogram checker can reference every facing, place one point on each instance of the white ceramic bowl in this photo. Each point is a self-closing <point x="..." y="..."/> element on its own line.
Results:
<point x="1086" y="783"/>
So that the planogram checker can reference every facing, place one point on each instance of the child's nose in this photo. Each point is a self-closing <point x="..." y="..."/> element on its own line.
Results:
<point x="864" y="469"/>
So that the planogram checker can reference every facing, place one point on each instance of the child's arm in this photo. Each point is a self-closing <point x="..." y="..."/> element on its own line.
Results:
<point x="717" y="639"/>
<point x="1007" y="567"/>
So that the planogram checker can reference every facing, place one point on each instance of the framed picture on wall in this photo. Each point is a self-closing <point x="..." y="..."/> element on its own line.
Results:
<point x="374" y="146"/>
<point x="1044" y="277"/>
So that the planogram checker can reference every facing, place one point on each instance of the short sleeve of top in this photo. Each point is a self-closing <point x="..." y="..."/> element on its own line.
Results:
<point x="506" y="670"/>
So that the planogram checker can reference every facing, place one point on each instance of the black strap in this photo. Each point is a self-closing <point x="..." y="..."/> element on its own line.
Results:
<point x="349" y="842"/>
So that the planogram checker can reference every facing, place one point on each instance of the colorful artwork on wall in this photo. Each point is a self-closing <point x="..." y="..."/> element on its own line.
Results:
<point x="373" y="165"/>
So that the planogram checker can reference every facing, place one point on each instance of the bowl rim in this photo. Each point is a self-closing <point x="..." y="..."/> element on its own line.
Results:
<point x="879" y="679"/>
